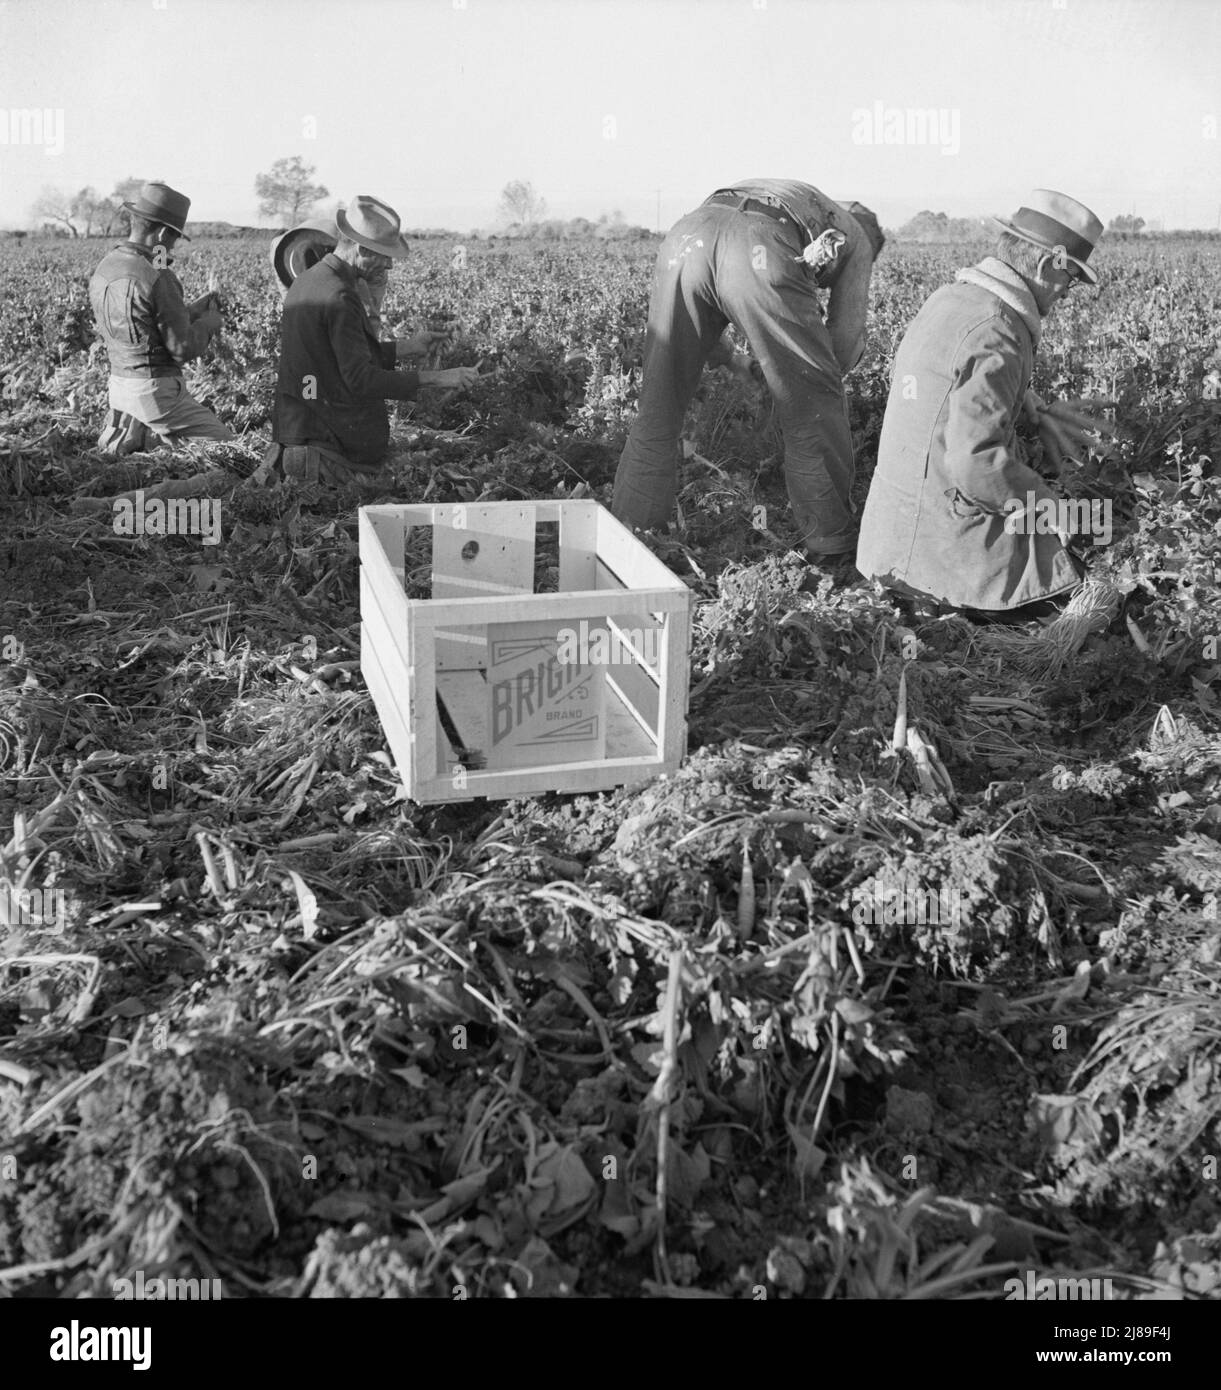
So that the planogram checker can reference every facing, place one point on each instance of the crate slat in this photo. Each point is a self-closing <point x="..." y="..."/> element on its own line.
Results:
<point x="382" y="689"/>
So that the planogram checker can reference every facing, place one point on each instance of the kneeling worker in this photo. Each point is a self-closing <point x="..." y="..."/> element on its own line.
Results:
<point x="149" y="331"/>
<point x="950" y="483"/>
<point x="330" y="422"/>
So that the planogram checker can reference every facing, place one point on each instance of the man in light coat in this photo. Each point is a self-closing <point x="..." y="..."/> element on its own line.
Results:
<point x="756" y="255"/>
<point x="941" y="521"/>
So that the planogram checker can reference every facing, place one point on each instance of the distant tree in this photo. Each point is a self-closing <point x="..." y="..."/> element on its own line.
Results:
<point x="54" y="206"/>
<point x="95" y="210"/>
<point x="520" y="203"/>
<point x="84" y="213"/>
<point x="286" y="194"/>
<point x="125" y="191"/>
<point x="1125" y="223"/>
<point x="925" y="225"/>
<point x="937" y="226"/>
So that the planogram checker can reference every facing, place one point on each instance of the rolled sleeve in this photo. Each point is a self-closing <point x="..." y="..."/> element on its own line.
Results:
<point x="980" y="454"/>
<point x="361" y="375"/>
<point x="184" y="340"/>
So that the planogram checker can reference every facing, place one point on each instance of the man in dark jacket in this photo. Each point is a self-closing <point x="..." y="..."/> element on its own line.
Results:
<point x="330" y="422"/>
<point x="149" y="332"/>
<point x="949" y="512"/>
<point x="756" y="255"/>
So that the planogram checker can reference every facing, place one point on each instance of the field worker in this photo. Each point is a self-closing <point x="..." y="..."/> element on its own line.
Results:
<point x="936" y="523"/>
<point x="756" y="255"/>
<point x="149" y="331"/>
<point x="330" y="422"/>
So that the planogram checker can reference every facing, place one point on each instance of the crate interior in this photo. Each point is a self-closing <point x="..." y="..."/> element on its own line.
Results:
<point x="630" y="694"/>
<point x="504" y="550"/>
<point x="419" y="573"/>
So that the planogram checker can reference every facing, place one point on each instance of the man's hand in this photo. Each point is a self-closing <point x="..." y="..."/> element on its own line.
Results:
<point x="211" y="320"/>
<point x="741" y="365"/>
<point x="452" y="378"/>
<point x="721" y="354"/>
<point x="1034" y="405"/>
<point x="200" y="306"/>
<point x="419" y="345"/>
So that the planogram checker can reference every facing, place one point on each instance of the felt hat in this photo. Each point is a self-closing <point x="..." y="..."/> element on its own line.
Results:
<point x="374" y="225"/>
<point x="158" y="202"/>
<point x="300" y="247"/>
<point x="1053" y="222"/>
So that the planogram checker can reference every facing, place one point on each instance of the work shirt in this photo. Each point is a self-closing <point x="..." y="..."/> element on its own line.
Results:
<point x="335" y="377"/>
<point x="141" y="316"/>
<point x="847" y="277"/>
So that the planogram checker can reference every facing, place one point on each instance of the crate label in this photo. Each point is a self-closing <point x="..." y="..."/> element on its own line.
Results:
<point x="541" y="710"/>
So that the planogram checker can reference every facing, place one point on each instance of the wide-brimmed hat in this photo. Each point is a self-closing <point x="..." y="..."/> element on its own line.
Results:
<point x="374" y="225"/>
<point x="1053" y="221"/>
<point x="158" y="202"/>
<point x="299" y="248"/>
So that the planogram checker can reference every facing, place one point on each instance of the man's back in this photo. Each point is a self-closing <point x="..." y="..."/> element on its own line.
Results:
<point x="305" y="345"/>
<point x="123" y="292"/>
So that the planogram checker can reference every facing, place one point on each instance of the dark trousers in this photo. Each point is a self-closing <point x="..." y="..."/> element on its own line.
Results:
<point x="719" y="266"/>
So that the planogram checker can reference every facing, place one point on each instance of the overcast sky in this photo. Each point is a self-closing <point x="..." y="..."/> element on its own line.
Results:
<point x="434" y="105"/>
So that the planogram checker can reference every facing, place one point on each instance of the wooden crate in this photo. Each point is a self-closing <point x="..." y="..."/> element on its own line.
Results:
<point x="489" y="689"/>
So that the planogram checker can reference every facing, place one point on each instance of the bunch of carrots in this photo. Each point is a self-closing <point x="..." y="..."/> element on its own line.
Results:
<point x="1065" y="427"/>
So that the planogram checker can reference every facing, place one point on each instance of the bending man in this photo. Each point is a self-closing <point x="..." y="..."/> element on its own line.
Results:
<point x="756" y="255"/>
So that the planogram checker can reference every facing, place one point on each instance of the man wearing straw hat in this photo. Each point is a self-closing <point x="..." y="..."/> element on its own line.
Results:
<point x="946" y="515"/>
<point x="150" y="332"/>
<point x="330" y="422"/>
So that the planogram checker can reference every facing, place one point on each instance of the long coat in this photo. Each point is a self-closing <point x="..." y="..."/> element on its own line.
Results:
<point x="934" y="522"/>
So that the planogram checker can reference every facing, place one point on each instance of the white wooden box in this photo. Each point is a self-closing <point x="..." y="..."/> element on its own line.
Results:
<point x="490" y="689"/>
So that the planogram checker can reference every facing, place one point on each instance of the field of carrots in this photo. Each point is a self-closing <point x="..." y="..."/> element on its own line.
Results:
<point x="796" y="1022"/>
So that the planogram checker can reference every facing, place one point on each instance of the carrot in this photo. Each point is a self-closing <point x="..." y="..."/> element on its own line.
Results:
<point x="898" y="740"/>
<point x="746" y="894"/>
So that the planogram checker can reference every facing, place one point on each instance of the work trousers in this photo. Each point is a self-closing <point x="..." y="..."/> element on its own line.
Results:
<point x="165" y="409"/>
<point x="719" y="265"/>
